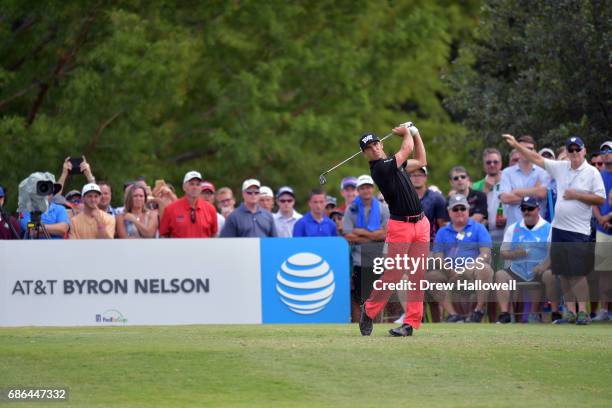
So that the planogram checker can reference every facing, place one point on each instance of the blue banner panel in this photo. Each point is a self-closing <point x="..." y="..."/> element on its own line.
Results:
<point x="305" y="280"/>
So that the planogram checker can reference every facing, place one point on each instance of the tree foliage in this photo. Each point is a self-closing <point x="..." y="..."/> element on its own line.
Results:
<point x="537" y="67"/>
<point x="236" y="89"/>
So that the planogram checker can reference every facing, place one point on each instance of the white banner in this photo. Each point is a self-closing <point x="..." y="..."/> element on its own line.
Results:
<point x="139" y="282"/>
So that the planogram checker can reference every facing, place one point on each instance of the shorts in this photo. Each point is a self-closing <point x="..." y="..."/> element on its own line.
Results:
<point x="571" y="253"/>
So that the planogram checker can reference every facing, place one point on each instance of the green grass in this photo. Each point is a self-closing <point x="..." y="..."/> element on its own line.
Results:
<point x="314" y="365"/>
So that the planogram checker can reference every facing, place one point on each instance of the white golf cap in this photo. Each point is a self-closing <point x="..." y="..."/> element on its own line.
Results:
<point x="190" y="175"/>
<point x="250" y="183"/>
<point x="364" y="179"/>
<point x="87" y="188"/>
<point x="547" y="150"/>
<point x="607" y="144"/>
<point x="265" y="191"/>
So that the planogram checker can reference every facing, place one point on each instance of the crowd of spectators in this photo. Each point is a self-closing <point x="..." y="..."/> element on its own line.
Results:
<point x="530" y="221"/>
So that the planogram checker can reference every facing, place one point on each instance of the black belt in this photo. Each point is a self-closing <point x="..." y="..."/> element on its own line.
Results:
<point x="408" y="218"/>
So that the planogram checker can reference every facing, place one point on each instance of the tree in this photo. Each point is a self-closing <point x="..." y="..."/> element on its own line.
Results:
<point x="540" y="68"/>
<point x="273" y="90"/>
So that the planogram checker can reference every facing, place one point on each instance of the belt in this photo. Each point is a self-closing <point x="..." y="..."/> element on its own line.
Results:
<point x="408" y="218"/>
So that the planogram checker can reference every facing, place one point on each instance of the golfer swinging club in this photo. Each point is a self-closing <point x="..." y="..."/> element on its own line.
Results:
<point x="407" y="229"/>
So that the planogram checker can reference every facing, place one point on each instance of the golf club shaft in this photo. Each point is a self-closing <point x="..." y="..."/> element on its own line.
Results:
<point x="352" y="157"/>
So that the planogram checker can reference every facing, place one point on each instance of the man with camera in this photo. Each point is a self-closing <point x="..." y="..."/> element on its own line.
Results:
<point x="92" y="223"/>
<point x="74" y="166"/>
<point x="39" y="216"/>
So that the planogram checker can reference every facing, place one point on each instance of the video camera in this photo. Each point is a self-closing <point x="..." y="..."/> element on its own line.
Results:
<point x="34" y="190"/>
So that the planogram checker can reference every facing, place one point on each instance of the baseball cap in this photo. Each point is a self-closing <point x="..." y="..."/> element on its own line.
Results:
<point x="190" y="175"/>
<point x="265" y="191"/>
<point x="547" y="150"/>
<point x="2" y="194"/>
<point x="250" y="183"/>
<point x="335" y="211"/>
<point x="574" y="140"/>
<point x="530" y="202"/>
<point x="72" y="193"/>
<point x="606" y="146"/>
<point x="88" y="188"/>
<point x="285" y="190"/>
<point x="330" y="200"/>
<point x="458" y="199"/>
<point x="364" y="179"/>
<point x="207" y="185"/>
<point x="366" y="139"/>
<point x="348" y="182"/>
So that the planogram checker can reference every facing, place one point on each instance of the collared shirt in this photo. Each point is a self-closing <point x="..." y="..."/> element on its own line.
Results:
<point x="307" y="226"/>
<point x="395" y="185"/>
<point x="86" y="227"/>
<point x="574" y="215"/>
<point x="512" y="178"/>
<point x="605" y="208"/>
<point x="244" y="223"/>
<point x="54" y="215"/>
<point x="349" y="222"/>
<point x="462" y="244"/>
<point x="110" y="210"/>
<point x="180" y="220"/>
<point x="284" y="225"/>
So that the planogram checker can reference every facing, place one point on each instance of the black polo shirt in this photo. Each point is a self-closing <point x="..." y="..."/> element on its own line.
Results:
<point x="395" y="186"/>
<point x="477" y="201"/>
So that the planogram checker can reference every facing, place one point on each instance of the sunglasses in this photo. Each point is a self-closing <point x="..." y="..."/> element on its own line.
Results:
<point x="460" y="177"/>
<point x="252" y="192"/>
<point x="547" y="155"/>
<point x="606" y="151"/>
<point x="459" y="209"/>
<point x="192" y="215"/>
<point x="574" y="149"/>
<point x="491" y="162"/>
<point x="527" y="209"/>
<point x="598" y="164"/>
<point x="286" y="200"/>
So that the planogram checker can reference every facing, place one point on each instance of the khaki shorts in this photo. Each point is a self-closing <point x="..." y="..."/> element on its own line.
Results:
<point x="603" y="252"/>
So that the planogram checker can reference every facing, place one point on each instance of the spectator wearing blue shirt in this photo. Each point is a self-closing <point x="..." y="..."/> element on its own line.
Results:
<point x="526" y="247"/>
<point x="55" y="220"/>
<point x="467" y="244"/>
<point x="522" y="180"/>
<point x="315" y="223"/>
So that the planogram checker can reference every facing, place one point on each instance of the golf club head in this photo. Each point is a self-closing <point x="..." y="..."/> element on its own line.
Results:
<point x="322" y="179"/>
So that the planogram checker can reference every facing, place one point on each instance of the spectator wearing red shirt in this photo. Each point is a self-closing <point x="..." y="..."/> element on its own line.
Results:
<point x="190" y="216"/>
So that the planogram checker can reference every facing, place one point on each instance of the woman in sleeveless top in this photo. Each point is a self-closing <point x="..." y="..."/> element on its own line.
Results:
<point x="136" y="221"/>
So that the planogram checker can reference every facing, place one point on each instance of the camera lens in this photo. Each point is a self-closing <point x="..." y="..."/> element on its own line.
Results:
<point x="44" y="188"/>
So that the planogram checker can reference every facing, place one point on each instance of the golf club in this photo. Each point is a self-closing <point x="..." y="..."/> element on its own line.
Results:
<point x="322" y="178"/>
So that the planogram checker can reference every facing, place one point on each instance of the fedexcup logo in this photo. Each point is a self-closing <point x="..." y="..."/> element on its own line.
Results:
<point x="305" y="283"/>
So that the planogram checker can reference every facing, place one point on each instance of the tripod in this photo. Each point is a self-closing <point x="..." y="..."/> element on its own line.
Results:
<point x="7" y="219"/>
<point x="36" y="230"/>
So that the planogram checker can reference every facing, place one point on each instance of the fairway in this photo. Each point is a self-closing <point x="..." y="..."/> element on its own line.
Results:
<point x="313" y="365"/>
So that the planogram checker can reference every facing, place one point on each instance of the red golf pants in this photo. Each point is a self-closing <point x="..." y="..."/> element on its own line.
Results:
<point x="411" y="239"/>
